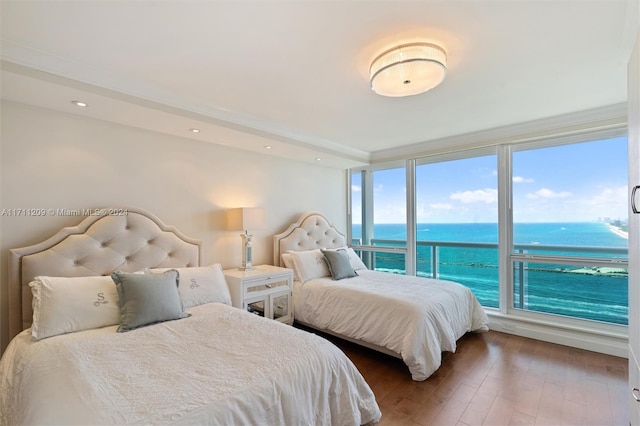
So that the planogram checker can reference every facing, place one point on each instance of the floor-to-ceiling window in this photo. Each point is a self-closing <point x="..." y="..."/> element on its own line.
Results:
<point x="569" y="229"/>
<point x="379" y="217"/>
<point x="533" y="228"/>
<point x="457" y="222"/>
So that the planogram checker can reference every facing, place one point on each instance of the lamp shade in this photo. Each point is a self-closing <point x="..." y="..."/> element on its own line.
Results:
<point x="408" y="69"/>
<point x="245" y="219"/>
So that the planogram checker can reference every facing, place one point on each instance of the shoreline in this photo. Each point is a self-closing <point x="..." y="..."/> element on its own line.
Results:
<point x="616" y="230"/>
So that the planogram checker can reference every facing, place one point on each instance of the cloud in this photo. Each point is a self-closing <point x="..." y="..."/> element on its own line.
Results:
<point x="609" y="201"/>
<point x="520" y="179"/>
<point x="548" y="193"/>
<point x="487" y="195"/>
<point x="516" y="179"/>
<point x="441" y="206"/>
<point x="356" y="188"/>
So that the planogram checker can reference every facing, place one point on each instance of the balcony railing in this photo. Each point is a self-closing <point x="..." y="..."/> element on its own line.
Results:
<point x="596" y="274"/>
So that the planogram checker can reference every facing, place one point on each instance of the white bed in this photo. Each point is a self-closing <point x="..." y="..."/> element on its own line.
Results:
<point x="412" y="318"/>
<point x="219" y="365"/>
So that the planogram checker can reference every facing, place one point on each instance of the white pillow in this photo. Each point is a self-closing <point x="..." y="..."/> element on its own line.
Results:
<point x="288" y="263"/>
<point x="65" y="305"/>
<point x="200" y="284"/>
<point x="309" y="264"/>
<point x="356" y="263"/>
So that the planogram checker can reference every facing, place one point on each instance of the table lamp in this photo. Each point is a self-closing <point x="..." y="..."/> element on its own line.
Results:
<point x="245" y="219"/>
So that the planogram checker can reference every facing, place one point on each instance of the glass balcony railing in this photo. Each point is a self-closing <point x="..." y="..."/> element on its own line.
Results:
<point x="581" y="282"/>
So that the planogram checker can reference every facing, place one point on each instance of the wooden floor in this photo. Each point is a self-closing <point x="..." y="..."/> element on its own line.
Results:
<point x="500" y="379"/>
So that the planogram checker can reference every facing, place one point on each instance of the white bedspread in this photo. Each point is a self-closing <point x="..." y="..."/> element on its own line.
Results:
<point x="418" y="318"/>
<point x="221" y="366"/>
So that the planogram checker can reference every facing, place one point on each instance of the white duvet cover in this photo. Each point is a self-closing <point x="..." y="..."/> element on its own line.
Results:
<point x="221" y="366"/>
<point x="416" y="317"/>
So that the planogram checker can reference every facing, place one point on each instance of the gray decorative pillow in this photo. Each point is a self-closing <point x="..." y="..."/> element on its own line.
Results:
<point x="339" y="264"/>
<point x="147" y="298"/>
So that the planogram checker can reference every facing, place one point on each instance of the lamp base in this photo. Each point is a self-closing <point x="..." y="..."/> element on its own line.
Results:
<point x="246" y="252"/>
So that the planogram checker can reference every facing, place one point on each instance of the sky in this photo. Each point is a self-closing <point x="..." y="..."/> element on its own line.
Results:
<point x="570" y="183"/>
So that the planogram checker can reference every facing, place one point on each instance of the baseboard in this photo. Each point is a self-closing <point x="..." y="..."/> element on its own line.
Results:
<point x="611" y="342"/>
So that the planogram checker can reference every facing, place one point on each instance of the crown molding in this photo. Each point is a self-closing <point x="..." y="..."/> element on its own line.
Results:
<point x="25" y="60"/>
<point x="606" y="118"/>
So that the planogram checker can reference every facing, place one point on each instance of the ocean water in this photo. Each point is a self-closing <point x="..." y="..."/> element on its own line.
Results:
<point x="599" y="294"/>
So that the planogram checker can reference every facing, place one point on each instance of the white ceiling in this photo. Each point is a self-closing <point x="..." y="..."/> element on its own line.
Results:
<point x="294" y="74"/>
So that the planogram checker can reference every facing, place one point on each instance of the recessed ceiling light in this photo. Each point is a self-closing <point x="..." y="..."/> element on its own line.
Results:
<point x="318" y="158"/>
<point x="80" y="103"/>
<point x="267" y="147"/>
<point x="195" y="130"/>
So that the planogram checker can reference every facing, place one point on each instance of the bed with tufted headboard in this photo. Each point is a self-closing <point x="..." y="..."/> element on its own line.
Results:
<point x="412" y="318"/>
<point x="128" y="239"/>
<point x="116" y="321"/>
<point x="311" y="231"/>
<point x="314" y="231"/>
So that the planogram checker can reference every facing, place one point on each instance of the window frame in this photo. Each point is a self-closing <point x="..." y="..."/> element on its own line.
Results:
<point x="504" y="151"/>
<point x="366" y="190"/>
<point x="510" y="257"/>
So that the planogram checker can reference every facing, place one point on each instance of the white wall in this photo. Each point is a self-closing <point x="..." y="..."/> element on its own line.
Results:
<point x="53" y="160"/>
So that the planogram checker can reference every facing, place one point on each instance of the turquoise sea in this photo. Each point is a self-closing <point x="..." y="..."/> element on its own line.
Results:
<point x="588" y="292"/>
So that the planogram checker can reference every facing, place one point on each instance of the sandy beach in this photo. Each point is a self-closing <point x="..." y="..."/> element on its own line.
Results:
<point x="616" y="230"/>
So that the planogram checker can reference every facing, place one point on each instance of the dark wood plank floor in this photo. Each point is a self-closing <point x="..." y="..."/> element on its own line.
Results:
<point x="500" y="379"/>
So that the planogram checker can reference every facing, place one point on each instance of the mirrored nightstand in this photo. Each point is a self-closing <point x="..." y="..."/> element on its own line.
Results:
<point x="266" y="291"/>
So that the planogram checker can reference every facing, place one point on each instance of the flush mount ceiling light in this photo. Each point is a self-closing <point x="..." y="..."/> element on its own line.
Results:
<point x="408" y="69"/>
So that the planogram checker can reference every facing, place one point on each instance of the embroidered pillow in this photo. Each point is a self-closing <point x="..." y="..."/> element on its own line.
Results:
<point x="309" y="264"/>
<point x="66" y="305"/>
<point x="146" y="299"/>
<point x="200" y="284"/>
<point x="339" y="264"/>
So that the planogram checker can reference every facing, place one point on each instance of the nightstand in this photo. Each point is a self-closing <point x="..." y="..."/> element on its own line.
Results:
<point x="266" y="291"/>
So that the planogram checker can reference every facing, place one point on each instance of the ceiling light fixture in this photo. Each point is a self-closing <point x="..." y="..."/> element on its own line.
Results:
<point x="194" y="130"/>
<point x="80" y="103"/>
<point x="408" y="69"/>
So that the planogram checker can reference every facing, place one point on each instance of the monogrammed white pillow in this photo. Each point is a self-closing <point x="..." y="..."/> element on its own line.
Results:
<point x="200" y="284"/>
<point x="309" y="264"/>
<point x="66" y="305"/>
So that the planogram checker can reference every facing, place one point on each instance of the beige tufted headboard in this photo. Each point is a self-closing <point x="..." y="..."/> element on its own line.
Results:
<point x="115" y="239"/>
<point x="311" y="231"/>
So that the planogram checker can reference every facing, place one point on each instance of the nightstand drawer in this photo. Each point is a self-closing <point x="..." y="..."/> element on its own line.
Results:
<point x="268" y="285"/>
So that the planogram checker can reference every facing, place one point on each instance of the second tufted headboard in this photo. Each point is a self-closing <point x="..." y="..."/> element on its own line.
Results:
<point x="311" y="231"/>
<point x="112" y="239"/>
